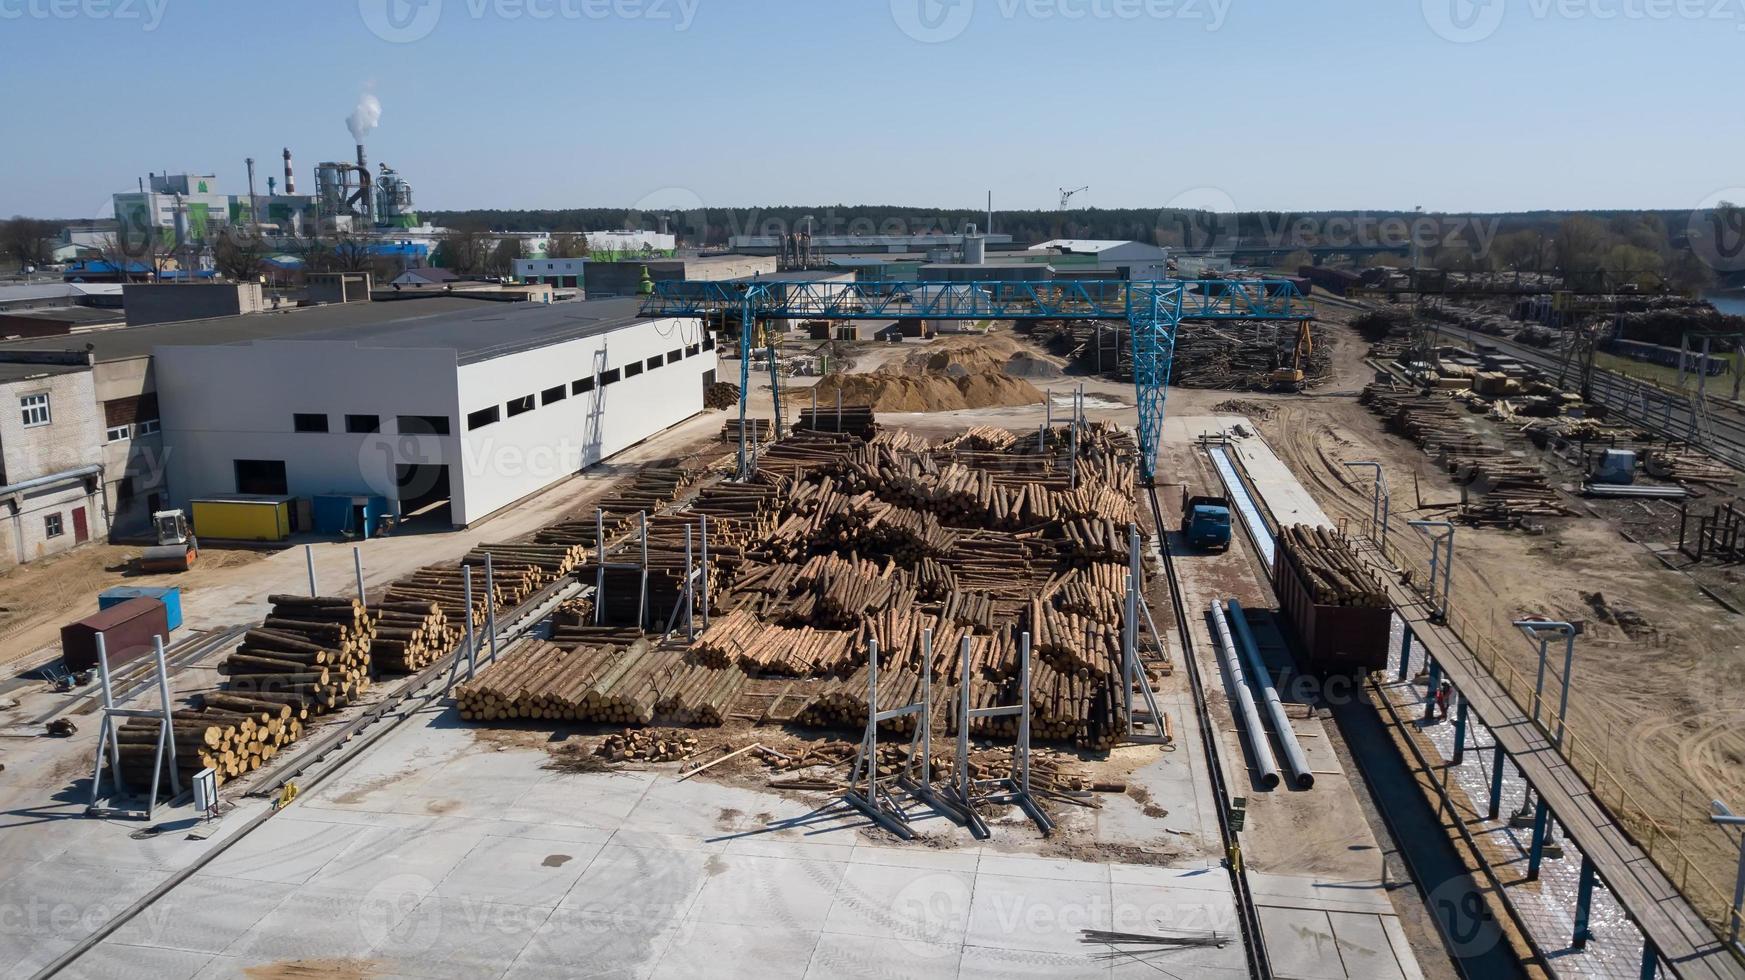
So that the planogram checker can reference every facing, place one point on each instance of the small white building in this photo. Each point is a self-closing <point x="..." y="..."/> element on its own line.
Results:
<point x="445" y="405"/>
<point x="1121" y="259"/>
<point x="51" y="459"/>
<point x="562" y="273"/>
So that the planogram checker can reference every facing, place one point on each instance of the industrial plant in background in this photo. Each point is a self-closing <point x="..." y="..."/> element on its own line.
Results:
<point x="182" y="214"/>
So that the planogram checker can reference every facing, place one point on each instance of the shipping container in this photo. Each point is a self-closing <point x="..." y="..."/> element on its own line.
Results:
<point x="169" y="595"/>
<point x="243" y="518"/>
<point x="1329" y="639"/>
<point x="127" y="630"/>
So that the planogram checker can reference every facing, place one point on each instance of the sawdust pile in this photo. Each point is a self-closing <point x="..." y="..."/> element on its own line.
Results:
<point x="949" y="388"/>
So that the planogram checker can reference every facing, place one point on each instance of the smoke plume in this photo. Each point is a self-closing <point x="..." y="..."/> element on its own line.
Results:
<point x="365" y="117"/>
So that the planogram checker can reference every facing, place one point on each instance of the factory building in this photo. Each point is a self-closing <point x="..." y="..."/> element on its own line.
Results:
<point x="450" y="408"/>
<point x="935" y="245"/>
<point x="51" y="462"/>
<point x="1113" y="259"/>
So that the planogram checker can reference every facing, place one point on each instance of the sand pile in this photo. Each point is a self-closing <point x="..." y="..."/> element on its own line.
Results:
<point x="890" y="391"/>
<point x="1027" y="365"/>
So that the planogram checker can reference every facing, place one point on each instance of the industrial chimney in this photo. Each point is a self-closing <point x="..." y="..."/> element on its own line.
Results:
<point x="290" y="178"/>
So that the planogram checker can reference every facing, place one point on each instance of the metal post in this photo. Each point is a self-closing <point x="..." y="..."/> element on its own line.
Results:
<point x="309" y="557"/>
<point x="964" y="788"/>
<point x="1539" y="629"/>
<point x="690" y="596"/>
<point x="357" y="566"/>
<point x="839" y="409"/>
<point x="1460" y="731"/>
<point x="1498" y="760"/>
<point x="705" y="569"/>
<point x="472" y="640"/>
<point x="168" y="722"/>
<point x="109" y="736"/>
<point x="1047" y="410"/>
<point x="1584" y="899"/>
<point x="1431" y="688"/>
<point x="927" y="708"/>
<point x="1446" y="563"/>
<point x="1536" y="852"/>
<point x="1379" y="504"/>
<point x="872" y="727"/>
<point x="1023" y="759"/>
<point x="1405" y="651"/>
<point x="1722" y="815"/>
<point x="600" y="562"/>
<point x="490" y="607"/>
<point x="642" y="599"/>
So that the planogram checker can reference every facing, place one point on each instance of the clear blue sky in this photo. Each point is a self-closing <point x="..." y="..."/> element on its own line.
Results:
<point x="1286" y="104"/>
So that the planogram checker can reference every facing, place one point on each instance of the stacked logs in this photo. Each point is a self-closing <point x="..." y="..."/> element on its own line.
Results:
<point x="410" y="636"/>
<point x="229" y="734"/>
<point x="1330" y="568"/>
<point x="310" y="652"/>
<point x="631" y="685"/>
<point x="767" y="649"/>
<point x="520" y="569"/>
<point x="855" y="420"/>
<point x="646" y="746"/>
<point x="444" y="585"/>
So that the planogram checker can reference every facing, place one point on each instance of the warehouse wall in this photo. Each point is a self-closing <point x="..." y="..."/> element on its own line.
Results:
<point x="224" y="403"/>
<point x="522" y="454"/>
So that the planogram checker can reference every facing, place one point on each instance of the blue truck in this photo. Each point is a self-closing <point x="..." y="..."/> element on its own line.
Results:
<point x="1205" y="522"/>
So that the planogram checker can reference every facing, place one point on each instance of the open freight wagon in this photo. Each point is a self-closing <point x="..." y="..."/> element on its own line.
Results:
<point x="1331" y="637"/>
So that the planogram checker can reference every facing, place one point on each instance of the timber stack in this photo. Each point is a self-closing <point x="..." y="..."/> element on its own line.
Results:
<point x="633" y="685"/>
<point x="229" y="734"/>
<point x="854" y="420"/>
<point x="410" y="636"/>
<point x="311" y="652"/>
<point x="1330" y="568"/>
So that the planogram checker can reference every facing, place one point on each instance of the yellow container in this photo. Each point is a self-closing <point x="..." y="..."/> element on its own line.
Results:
<point x="243" y="518"/>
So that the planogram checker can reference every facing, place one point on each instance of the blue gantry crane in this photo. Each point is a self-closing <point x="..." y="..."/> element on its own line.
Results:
<point x="1154" y="311"/>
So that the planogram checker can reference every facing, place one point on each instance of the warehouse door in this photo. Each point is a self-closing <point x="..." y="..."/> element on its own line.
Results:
<point x="81" y="528"/>
<point x="424" y="494"/>
<point x="262" y="476"/>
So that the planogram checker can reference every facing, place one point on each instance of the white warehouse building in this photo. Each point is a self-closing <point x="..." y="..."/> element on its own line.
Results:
<point x="429" y="402"/>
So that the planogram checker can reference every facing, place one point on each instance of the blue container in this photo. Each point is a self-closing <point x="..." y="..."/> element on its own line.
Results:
<point x="169" y="595"/>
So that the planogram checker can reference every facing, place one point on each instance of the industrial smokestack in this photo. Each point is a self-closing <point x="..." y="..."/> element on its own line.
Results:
<point x="362" y="162"/>
<point x="290" y="178"/>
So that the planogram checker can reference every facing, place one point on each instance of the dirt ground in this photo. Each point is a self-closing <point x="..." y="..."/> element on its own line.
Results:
<point x="1664" y="703"/>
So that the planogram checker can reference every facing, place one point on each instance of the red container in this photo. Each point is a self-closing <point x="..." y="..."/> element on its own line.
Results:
<point x="1331" y="639"/>
<point x="127" y="630"/>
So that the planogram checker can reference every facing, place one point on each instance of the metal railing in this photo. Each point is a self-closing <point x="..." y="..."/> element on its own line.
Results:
<point x="1585" y="755"/>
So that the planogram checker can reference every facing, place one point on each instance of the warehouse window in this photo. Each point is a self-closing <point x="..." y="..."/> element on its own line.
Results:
<point x="520" y="406"/>
<point x="423" y="425"/>
<point x="709" y="342"/>
<point x="265" y="476"/>
<point x="34" y="408"/>
<point x="632" y="369"/>
<point x="556" y="393"/>
<point x="116" y="433"/>
<point x="309" y="422"/>
<point x="51" y="526"/>
<point x="608" y="377"/>
<point x="482" y="418"/>
<point x="581" y="385"/>
<point x="693" y="350"/>
<point x="147" y="427"/>
<point x="675" y="356"/>
<point x="655" y="361"/>
<point x="363" y="423"/>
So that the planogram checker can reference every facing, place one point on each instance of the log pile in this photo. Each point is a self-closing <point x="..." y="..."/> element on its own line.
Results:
<point x="229" y="734"/>
<point x="410" y="636"/>
<point x="312" y="652"/>
<point x="855" y="420"/>
<point x="758" y="431"/>
<point x="1330" y="568"/>
<point x="633" y="685"/>
<point x="646" y="746"/>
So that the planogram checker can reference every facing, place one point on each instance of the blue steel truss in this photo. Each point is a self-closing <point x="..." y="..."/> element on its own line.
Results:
<point x="1153" y="309"/>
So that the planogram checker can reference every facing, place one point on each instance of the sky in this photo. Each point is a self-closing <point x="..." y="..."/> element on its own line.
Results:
<point x="1453" y="105"/>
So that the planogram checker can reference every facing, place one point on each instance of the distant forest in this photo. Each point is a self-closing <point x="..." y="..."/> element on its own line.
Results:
<point x="1684" y="249"/>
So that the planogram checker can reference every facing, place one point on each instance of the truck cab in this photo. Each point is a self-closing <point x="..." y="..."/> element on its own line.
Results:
<point x="1205" y="522"/>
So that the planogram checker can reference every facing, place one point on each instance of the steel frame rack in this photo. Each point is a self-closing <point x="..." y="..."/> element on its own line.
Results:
<point x="1153" y="309"/>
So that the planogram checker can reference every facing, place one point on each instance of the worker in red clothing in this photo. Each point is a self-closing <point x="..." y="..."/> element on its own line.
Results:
<point x="1443" y="695"/>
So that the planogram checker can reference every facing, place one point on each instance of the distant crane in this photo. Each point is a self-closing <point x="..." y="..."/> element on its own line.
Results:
<point x="1066" y="195"/>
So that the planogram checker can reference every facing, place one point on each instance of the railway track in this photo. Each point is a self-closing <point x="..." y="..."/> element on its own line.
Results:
<point x="1247" y="913"/>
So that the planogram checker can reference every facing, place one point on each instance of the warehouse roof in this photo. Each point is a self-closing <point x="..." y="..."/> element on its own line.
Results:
<point x="10" y="373"/>
<point x="477" y="329"/>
